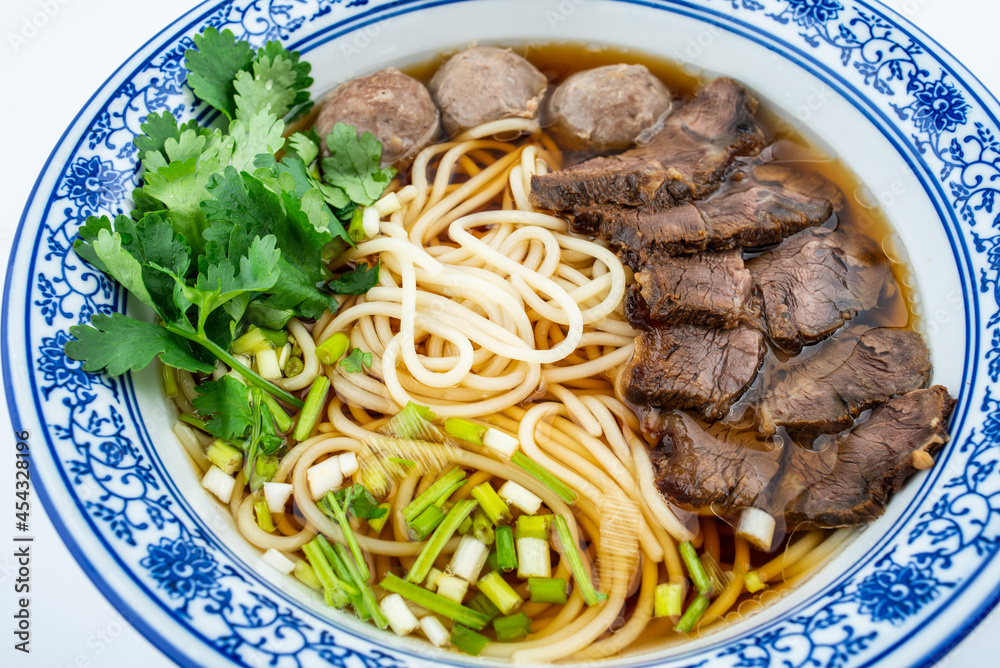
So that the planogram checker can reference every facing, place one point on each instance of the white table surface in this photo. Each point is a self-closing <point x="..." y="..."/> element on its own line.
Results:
<point x="44" y="81"/>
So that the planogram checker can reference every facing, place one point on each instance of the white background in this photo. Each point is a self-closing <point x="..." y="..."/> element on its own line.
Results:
<point x="45" y="78"/>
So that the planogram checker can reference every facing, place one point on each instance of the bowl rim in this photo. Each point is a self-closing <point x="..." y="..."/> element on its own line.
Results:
<point x="987" y="101"/>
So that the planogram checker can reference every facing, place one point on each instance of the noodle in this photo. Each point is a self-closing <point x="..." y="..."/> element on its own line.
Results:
<point x="486" y="309"/>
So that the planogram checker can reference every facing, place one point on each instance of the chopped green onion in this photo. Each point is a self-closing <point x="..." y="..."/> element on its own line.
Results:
<point x="293" y="366"/>
<point x="398" y="614"/>
<point x="282" y="420"/>
<point x="512" y="627"/>
<point x="506" y="556"/>
<point x="225" y="456"/>
<point x="669" y="599"/>
<point x="193" y="421"/>
<point x="492" y="561"/>
<point x="405" y="462"/>
<point x="468" y="640"/>
<point x="345" y="527"/>
<point x="307" y="576"/>
<point x="469" y="558"/>
<point x="480" y="603"/>
<point x="580" y="572"/>
<point x="378" y="522"/>
<point x="517" y="496"/>
<point x="441" y="536"/>
<point x="533" y="526"/>
<point x="169" y="380"/>
<point x="424" y="524"/>
<point x="535" y="470"/>
<point x="695" y="569"/>
<point x="335" y="591"/>
<point x="466" y="526"/>
<point x="547" y="590"/>
<point x="333" y="348"/>
<point x="465" y="430"/>
<point x="500" y="592"/>
<point x="691" y="616"/>
<point x="452" y="587"/>
<point x="413" y="422"/>
<point x="482" y="527"/>
<point x="312" y="408"/>
<point x="264" y="520"/>
<point x="361" y="582"/>
<point x="250" y="343"/>
<point x="753" y="582"/>
<point x="495" y="508"/>
<point x="434" y="602"/>
<point x="431" y="494"/>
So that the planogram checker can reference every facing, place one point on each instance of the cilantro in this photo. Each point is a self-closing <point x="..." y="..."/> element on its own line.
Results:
<point x="238" y="414"/>
<point x="358" y="281"/>
<point x="353" y="164"/>
<point x="274" y="86"/>
<point x="226" y="405"/>
<point x="304" y="146"/>
<point x="118" y="343"/>
<point x="359" y="502"/>
<point x="356" y="361"/>
<point x="213" y="66"/>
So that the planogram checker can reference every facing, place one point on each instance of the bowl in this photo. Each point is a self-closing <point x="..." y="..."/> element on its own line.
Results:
<point x="918" y="130"/>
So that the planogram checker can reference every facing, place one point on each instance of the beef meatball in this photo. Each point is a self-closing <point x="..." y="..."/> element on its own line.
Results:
<point x="606" y="108"/>
<point x="484" y="84"/>
<point x="394" y="107"/>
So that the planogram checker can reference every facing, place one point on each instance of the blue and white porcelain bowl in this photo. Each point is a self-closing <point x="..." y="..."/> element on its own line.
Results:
<point x="915" y="126"/>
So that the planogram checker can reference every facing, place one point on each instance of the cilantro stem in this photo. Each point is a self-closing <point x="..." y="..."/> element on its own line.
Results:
<point x="249" y="374"/>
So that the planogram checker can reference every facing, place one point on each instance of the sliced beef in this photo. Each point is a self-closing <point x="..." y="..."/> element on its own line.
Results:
<point x="711" y="289"/>
<point x="753" y="212"/>
<point x="692" y="367"/>
<point x="697" y="467"/>
<point x="847" y="483"/>
<point x="873" y="461"/>
<point x="825" y="392"/>
<point x="687" y="159"/>
<point x="816" y="281"/>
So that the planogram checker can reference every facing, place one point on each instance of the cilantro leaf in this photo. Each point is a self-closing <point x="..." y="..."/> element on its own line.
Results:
<point x="354" y="164"/>
<point x="356" y="361"/>
<point x="213" y="66"/>
<point x="302" y="101"/>
<point x="304" y="146"/>
<point x="224" y="404"/>
<point x="358" y="281"/>
<point x="118" y="343"/>
<point x="254" y="134"/>
<point x="359" y="502"/>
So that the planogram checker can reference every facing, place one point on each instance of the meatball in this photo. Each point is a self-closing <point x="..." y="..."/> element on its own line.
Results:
<point x="484" y="84"/>
<point x="606" y="108"/>
<point x="394" y="107"/>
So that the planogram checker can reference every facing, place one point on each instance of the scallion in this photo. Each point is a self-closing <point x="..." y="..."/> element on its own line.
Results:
<point x="333" y="505"/>
<point x="441" y="536"/>
<point x="282" y="420"/>
<point x="263" y="513"/>
<point x="468" y="640"/>
<point x="307" y="576"/>
<point x="335" y="590"/>
<point x="469" y="558"/>
<point x="225" y="456"/>
<point x="480" y="603"/>
<point x="377" y="523"/>
<point x="431" y="494"/>
<point x="538" y="472"/>
<point x="691" y="616"/>
<point x="434" y="602"/>
<point x="753" y="582"/>
<point x="312" y="408"/>
<point x="495" y="508"/>
<point x="506" y="555"/>
<point x="333" y="348"/>
<point x="695" y="569"/>
<point x="547" y="590"/>
<point x="512" y="627"/>
<point x="482" y="527"/>
<point x="424" y="524"/>
<point x="465" y="430"/>
<point x="580" y="572"/>
<point x="499" y="592"/>
<point x="668" y="599"/>
<point x="361" y="582"/>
